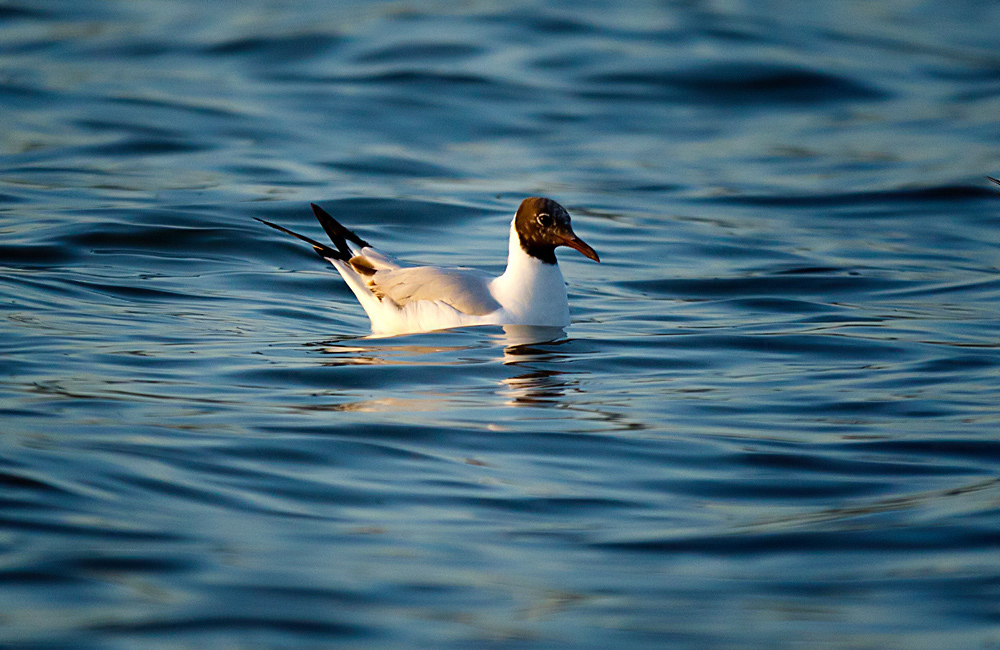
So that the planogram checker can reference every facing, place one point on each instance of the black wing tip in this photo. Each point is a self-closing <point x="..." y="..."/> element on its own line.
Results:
<point x="338" y="234"/>
<point x="268" y="223"/>
<point x="335" y="229"/>
<point x="994" y="180"/>
<point x="322" y="250"/>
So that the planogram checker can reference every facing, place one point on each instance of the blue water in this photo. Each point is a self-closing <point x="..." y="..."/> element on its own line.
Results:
<point x="774" y="422"/>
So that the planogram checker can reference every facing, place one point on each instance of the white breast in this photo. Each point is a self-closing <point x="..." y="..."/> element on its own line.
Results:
<point x="530" y="291"/>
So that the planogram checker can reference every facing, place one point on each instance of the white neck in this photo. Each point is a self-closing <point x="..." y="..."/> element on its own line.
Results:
<point x="531" y="291"/>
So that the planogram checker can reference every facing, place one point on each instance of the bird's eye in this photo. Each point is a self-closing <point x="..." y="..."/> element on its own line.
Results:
<point x="544" y="220"/>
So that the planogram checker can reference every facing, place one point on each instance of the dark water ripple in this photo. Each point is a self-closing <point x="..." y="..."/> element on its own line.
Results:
<point x="732" y="84"/>
<point x="772" y="424"/>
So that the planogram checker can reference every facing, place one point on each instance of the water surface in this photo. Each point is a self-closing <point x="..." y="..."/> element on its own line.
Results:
<point x="773" y="422"/>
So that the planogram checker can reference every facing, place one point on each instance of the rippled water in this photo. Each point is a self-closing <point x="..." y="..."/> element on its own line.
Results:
<point x="773" y="422"/>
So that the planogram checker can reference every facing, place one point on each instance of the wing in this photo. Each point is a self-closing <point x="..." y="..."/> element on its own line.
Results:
<point x="464" y="289"/>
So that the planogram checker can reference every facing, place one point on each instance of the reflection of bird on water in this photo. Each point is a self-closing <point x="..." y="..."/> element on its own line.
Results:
<point x="529" y="347"/>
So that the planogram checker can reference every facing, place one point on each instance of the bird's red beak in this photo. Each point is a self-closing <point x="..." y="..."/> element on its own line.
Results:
<point x="578" y="244"/>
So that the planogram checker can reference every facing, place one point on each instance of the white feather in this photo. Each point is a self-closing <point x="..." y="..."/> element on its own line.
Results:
<point x="406" y="299"/>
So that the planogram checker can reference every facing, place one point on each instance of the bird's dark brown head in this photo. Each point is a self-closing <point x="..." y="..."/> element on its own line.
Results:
<point x="542" y="225"/>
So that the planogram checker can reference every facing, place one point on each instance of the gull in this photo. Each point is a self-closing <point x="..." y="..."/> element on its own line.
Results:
<point x="405" y="299"/>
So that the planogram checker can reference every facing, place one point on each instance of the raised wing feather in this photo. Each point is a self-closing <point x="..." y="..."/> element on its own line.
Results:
<point x="466" y="290"/>
<point x="378" y="260"/>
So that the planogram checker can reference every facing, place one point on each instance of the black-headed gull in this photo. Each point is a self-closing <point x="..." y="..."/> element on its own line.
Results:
<point x="402" y="299"/>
